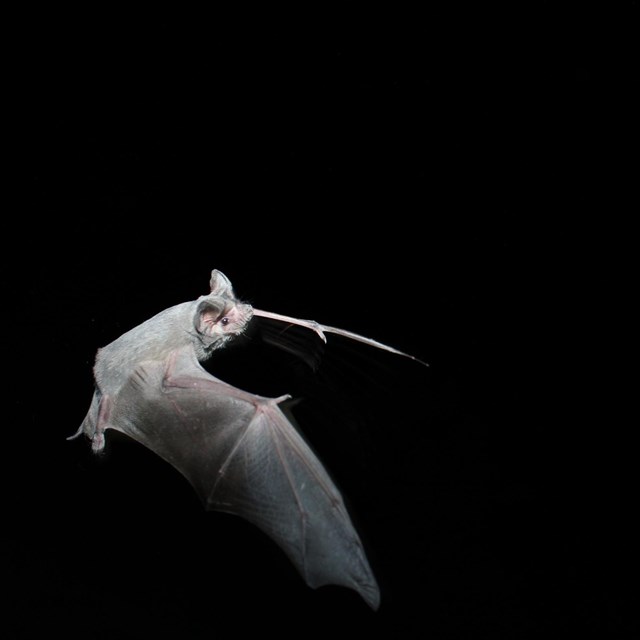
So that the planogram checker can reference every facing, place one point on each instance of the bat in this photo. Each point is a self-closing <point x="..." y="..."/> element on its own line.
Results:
<point x="240" y="451"/>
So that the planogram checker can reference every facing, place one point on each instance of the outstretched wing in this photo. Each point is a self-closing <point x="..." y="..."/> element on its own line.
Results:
<point x="243" y="456"/>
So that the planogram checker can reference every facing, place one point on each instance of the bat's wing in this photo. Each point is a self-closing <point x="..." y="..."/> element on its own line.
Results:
<point x="243" y="456"/>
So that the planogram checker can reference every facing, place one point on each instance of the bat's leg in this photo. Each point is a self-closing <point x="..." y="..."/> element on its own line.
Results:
<point x="102" y="424"/>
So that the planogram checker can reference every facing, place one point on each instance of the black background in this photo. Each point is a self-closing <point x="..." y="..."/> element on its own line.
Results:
<point x="453" y="183"/>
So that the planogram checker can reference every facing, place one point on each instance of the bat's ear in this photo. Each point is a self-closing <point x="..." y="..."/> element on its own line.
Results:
<point x="220" y="284"/>
<point x="207" y="315"/>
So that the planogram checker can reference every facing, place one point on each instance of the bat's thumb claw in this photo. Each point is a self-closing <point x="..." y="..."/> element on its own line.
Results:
<point x="318" y="329"/>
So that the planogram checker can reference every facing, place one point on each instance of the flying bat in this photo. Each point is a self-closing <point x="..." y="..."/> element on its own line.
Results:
<point x="240" y="451"/>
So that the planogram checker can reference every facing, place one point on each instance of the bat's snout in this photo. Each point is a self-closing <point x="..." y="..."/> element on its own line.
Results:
<point x="243" y="314"/>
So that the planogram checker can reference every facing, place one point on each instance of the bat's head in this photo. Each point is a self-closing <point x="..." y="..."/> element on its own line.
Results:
<point x="220" y="316"/>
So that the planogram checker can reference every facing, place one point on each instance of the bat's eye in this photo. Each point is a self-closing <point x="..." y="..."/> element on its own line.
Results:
<point x="224" y="321"/>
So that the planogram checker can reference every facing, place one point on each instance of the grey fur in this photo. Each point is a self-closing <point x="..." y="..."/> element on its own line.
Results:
<point x="240" y="452"/>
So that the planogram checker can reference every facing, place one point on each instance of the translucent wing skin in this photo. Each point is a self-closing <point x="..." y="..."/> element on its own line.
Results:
<point x="243" y="456"/>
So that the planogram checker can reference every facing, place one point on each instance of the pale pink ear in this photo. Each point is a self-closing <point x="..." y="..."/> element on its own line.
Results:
<point x="220" y="284"/>
<point x="207" y="315"/>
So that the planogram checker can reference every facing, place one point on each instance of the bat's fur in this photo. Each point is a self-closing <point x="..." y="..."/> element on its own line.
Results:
<point x="240" y="451"/>
<point x="207" y="324"/>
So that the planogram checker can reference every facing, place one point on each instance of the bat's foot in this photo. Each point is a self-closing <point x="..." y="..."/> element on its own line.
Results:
<point x="97" y="442"/>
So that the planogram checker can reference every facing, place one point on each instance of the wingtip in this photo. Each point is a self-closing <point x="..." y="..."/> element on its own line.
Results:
<point x="422" y="362"/>
<point x="370" y="593"/>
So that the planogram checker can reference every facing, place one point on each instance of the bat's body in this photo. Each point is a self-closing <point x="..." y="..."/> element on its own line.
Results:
<point x="239" y="451"/>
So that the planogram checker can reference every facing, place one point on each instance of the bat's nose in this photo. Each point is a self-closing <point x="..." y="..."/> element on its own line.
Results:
<point x="246" y="313"/>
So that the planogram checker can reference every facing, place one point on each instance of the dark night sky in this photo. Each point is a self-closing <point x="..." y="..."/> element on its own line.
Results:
<point x="451" y="184"/>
